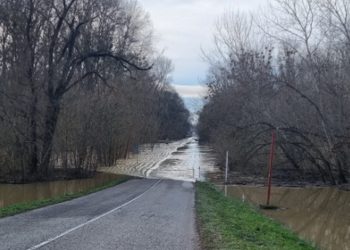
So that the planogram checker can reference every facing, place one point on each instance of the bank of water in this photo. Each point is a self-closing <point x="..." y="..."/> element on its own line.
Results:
<point x="19" y="193"/>
<point x="320" y="215"/>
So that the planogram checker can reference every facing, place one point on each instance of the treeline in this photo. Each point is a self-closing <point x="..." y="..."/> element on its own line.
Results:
<point x="287" y="71"/>
<point x="80" y="85"/>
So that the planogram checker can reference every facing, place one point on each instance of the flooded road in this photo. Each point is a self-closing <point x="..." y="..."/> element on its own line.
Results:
<point x="189" y="163"/>
<point x="18" y="193"/>
<point x="181" y="160"/>
<point x="320" y="215"/>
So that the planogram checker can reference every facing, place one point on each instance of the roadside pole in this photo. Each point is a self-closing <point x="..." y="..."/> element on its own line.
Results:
<point x="269" y="177"/>
<point x="271" y="158"/>
<point x="226" y="168"/>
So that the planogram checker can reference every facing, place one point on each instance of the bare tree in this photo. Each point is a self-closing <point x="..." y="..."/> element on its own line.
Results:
<point x="298" y="85"/>
<point x="66" y="68"/>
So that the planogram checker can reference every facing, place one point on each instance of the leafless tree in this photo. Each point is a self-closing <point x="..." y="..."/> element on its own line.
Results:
<point x="298" y="85"/>
<point x="71" y="70"/>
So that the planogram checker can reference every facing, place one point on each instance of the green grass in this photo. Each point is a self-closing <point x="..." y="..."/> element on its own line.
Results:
<point x="227" y="223"/>
<point x="23" y="207"/>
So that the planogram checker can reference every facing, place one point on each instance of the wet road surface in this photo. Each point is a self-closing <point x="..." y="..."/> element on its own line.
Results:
<point x="138" y="214"/>
<point x="180" y="160"/>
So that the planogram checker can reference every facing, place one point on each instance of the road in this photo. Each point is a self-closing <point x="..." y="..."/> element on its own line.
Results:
<point x="138" y="214"/>
<point x="180" y="160"/>
<point x="146" y="160"/>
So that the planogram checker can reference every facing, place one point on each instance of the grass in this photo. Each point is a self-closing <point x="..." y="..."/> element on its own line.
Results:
<point x="227" y="223"/>
<point x="27" y="206"/>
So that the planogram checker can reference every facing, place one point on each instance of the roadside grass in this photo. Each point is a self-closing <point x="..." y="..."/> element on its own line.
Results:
<point x="227" y="223"/>
<point x="27" y="206"/>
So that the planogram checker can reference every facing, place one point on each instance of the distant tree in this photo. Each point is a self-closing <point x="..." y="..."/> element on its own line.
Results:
<point x="173" y="116"/>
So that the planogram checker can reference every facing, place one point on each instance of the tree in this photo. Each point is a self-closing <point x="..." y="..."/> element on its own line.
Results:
<point x="298" y="85"/>
<point x="66" y="66"/>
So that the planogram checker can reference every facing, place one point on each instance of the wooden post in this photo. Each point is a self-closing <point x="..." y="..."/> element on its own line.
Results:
<point x="226" y="168"/>
<point x="272" y="153"/>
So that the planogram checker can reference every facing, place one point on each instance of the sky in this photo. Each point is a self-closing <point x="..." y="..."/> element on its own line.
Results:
<point x="183" y="28"/>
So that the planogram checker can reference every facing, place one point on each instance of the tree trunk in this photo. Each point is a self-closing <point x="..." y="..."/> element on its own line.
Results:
<point x="33" y="160"/>
<point x="51" y="117"/>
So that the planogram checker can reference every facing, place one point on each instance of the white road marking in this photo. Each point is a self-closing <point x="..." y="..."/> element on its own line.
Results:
<point x="92" y="220"/>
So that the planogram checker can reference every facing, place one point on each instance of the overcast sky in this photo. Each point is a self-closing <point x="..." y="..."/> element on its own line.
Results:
<point x="183" y="27"/>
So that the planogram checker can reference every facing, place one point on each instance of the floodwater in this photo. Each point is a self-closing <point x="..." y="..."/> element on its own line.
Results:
<point x="320" y="215"/>
<point x="189" y="162"/>
<point x="148" y="158"/>
<point x="180" y="160"/>
<point x="18" y="193"/>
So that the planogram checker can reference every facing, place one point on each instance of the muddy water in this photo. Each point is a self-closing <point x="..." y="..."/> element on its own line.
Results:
<point x="321" y="215"/>
<point x="189" y="162"/>
<point x="11" y="194"/>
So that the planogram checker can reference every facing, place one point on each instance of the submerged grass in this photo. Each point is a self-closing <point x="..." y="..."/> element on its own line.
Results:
<point x="227" y="223"/>
<point x="27" y="206"/>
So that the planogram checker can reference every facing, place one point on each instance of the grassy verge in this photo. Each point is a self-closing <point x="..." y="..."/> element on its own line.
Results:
<point x="23" y="207"/>
<point x="226" y="223"/>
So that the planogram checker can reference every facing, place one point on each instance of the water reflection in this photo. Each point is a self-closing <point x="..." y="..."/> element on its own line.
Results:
<point x="317" y="214"/>
<point x="11" y="194"/>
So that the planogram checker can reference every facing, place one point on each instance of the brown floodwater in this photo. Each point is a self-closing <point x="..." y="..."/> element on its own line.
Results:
<point x="320" y="215"/>
<point x="188" y="163"/>
<point x="18" y="193"/>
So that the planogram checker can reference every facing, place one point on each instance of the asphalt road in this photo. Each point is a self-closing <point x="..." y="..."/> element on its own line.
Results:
<point x="138" y="214"/>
